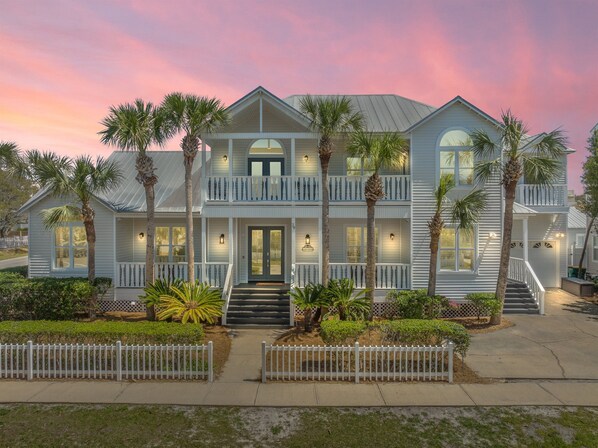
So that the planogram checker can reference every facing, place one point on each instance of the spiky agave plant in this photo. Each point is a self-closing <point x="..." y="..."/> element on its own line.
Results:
<point x="351" y="304"/>
<point x="195" y="302"/>
<point x="152" y="293"/>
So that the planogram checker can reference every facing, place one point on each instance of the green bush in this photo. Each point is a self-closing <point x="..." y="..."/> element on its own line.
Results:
<point x="485" y="302"/>
<point x="349" y="303"/>
<point x="341" y="331"/>
<point x="426" y="332"/>
<point x="46" y="297"/>
<point x="100" y="332"/>
<point x="416" y="304"/>
<point x="21" y="270"/>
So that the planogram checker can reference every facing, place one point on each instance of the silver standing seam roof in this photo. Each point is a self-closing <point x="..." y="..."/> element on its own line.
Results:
<point x="576" y="219"/>
<point x="381" y="112"/>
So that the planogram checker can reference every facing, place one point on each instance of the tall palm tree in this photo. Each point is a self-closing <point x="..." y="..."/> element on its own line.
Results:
<point x="11" y="159"/>
<point x="330" y="117"/>
<point x="388" y="150"/>
<point x="194" y="116"/>
<point x="513" y="155"/>
<point x="136" y="127"/>
<point x="79" y="180"/>
<point x="464" y="213"/>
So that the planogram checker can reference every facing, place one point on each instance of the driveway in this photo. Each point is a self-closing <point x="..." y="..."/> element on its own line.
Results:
<point x="562" y="344"/>
<point x="13" y="262"/>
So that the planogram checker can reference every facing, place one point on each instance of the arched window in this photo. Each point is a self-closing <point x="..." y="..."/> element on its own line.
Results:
<point x="456" y="157"/>
<point x="266" y="146"/>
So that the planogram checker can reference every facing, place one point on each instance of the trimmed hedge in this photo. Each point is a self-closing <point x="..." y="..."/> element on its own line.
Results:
<point x="46" y="297"/>
<point x="341" y="331"/>
<point x="21" y="270"/>
<point x="100" y="332"/>
<point x="426" y="332"/>
<point x="485" y="302"/>
<point x="417" y="304"/>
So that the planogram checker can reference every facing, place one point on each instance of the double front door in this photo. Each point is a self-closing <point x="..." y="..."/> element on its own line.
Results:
<point x="266" y="254"/>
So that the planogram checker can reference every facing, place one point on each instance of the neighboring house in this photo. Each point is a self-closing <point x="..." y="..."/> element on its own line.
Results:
<point x="576" y="234"/>
<point x="258" y="209"/>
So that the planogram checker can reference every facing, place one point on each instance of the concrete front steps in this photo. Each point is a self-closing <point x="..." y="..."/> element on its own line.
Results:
<point x="259" y="306"/>
<point x="519" y="300"/>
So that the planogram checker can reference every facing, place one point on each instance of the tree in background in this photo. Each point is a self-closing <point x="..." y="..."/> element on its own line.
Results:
<point x="588" y="203"/>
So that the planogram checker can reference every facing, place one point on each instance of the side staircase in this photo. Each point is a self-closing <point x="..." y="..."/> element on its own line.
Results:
<point x="519" y="300"/>
<point x="257" y="306"/>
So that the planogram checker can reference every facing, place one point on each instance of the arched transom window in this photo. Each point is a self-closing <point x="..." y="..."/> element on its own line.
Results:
<point x="266" y="146"/>
<point x="456" y="157"/>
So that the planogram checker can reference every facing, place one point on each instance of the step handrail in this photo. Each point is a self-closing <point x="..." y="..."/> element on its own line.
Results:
<point x="522" y="271"/>
<point x="226" y="291"/>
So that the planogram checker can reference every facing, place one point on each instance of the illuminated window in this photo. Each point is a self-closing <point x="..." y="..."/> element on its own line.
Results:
<point x="266" y="146"/>
<point x="355" y="167"/>
<point x="70" y="247"/>
<point x="456" y="250"/>
<point x="170" y="244"/>
<point x="456" y="157"/>
<point x="356" y="238"/>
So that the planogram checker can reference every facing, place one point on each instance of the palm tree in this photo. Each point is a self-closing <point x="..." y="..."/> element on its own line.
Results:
<point x="513" y="155"/>
<point x="194" y="116"/>
<point x="11" y="160"/>
<point x="330" y="117"/>
<point x="80" y="180"/>
<point x="135" y="127"/>
<point x="388" y="150"/>
<point x="464" y="214"/>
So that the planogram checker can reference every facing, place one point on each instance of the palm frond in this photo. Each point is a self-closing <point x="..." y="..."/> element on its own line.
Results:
<point x="540" y="169"/>
<point x="467" y="211"/>
<point x="55" y="216"/>
<point x="50" y="171"/>
<point x="105" y="176"/>
<point x="483" y="146"/>
<point x="331" y="116"/>
<point x="445" y="185"/>
<point x="553" y="144"/>
<point x="513" y="134"/>
<point x="485" y="169"/>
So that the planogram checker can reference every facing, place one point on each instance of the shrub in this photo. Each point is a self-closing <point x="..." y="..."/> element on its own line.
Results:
<point x="416" y="304"/>
<point x="195" y="302"/>
<point x="307" y="299"/>
<point x="154" y="291"/>
<point x="485" y="302"/>
<point x="426" y="332"/>
<point x="21" y="270"/>
<point x="45" y="297"/>
<point x="350" y="304"/>
<point x="341" y="331"/>
<point x="100" y="332"/>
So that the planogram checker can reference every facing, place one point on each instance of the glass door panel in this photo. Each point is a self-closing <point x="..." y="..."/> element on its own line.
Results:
<point x="275" y="252"/>
<point x="266" y="255"/>
<point x="257" y="252"/>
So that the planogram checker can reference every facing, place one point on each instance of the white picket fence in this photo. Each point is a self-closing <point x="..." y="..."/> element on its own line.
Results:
<point x="113" y="362"/>
<point x="356" y="363"/>
<point x="14" y="242"/>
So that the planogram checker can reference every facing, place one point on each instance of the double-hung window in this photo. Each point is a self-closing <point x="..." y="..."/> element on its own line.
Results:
<point x="457" y="249"/>
<point x="356" y="238"/>
<point x="70" y="247"/>
<point x="456" y="157"/>
<point x="170" y="244"/>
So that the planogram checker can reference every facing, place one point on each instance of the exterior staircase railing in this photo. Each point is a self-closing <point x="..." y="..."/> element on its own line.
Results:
<point x="521" y="271"/>
<point x="227" y="289"/>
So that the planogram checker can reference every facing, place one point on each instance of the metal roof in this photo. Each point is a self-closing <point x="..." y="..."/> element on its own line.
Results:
<point x="520" y="209"/>
<point x="381" y="112"/>
<point x="576" y="219"/>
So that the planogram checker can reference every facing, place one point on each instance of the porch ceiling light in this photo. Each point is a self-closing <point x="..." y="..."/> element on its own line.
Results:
<point x="141" y="235"/>
<point x="222" y="238"/>
<point x="307" y="247"/>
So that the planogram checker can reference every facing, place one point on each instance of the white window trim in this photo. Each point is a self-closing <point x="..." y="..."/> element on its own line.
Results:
<point x="474" y="267"/>
<point x="170" y="245"/>
<point x="71" y="267"/>
<point x="579" y="241"/>
<point x="364" y="246"/>
<point x="456" y="149"/>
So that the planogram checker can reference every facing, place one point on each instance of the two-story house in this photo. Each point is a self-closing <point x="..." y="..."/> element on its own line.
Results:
<point x="258" y="209"/>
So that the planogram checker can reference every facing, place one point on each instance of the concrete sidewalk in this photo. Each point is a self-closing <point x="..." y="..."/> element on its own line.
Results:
<point x="544" y="393"/>
<point x="13" y="262"/>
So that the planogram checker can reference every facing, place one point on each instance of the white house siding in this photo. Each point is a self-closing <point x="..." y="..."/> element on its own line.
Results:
<point x="217" y="253"/>
<point x="424" y="175"/>
<point x="41" y="241"/>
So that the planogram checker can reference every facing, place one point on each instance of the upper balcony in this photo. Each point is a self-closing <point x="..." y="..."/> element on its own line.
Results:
<point x="304" y="189"/>
<point x="535" y="195"/>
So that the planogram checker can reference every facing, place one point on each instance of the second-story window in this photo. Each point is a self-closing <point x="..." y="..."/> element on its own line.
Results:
<point x="456" y="157"/>
<point x="170" y="244"/>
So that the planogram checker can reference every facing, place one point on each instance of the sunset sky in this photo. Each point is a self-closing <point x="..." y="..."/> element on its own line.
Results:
<point x="63" y="63"/>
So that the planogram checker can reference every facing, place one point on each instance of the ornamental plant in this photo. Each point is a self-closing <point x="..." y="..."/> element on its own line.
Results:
<point x="485" y="302"/>
<point x="195" y="302"/>
<point x="417" y="304"/>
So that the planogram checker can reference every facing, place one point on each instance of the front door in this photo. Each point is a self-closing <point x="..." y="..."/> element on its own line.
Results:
<point x="266" y="254"/>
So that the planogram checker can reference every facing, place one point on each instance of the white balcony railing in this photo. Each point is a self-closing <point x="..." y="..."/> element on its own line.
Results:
<point x="132" y="275"/>
<point x="537" y="195"/>
<point x="300" y="188"/>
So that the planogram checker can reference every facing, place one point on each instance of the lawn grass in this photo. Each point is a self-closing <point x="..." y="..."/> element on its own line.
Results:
<point x="7" y="254"/>
<point x="137" y="426"/>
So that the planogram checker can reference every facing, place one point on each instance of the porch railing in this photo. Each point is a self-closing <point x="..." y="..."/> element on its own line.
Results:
<point x="301" y="188"/>
<point x="521" y="271"/>
<point x="132" y="275"/>
<point x="388" y="275"/>
<point x="226" y="292"/>
<point x="542" y="195"/>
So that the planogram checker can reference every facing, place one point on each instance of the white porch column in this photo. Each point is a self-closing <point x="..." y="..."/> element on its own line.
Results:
<point x="231" y="241"/>
<point x="230" y="170"/>
<point x="293" y="172"/>
<point x="293" y="242"/>
<point x="525" y="240"/>
<point x="320" y="248"/>
<point x="203" y="182"/>
<point x="204" y="247"/>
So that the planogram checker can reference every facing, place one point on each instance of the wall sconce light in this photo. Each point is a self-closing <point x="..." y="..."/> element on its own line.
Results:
<point x="225" y="158"/>
<point x="222" y="238"/>
<point x="560" y="235"/>
<point x="141" y="235"/>
<point x="392" y="237"/>
<point x="306" y="158"/>
<point x="307" y="247"/>
<point x="492" y="235"/>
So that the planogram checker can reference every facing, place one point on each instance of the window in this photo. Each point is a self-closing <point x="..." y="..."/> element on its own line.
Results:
<point x="70" y="247"/>
<point x="594" y="247"/>
<point x="579" y="240"/>
<point x="357" y="244"/>
<point x="266" y="146"/>
<point x="456" y="250"/>
<point x="170" y="244"/>
<point x="456" y="157"/>
<point x="355" y="167"/>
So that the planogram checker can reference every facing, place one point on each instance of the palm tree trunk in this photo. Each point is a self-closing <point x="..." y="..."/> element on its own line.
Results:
<point x="190" y="249"/>
<point x="505" y="252"/>
<point x="370" y="270"/>
<point x="435" y="226"/>
<point x="90" y="232"/>
<point x="324" y="162"/>
<point x="585" y="245"/>
<point x="150" y="241"/>
<point x="307" y="323"/>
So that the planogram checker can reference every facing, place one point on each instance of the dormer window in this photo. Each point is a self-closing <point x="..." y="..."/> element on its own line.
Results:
<point x="456" y="157"/>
